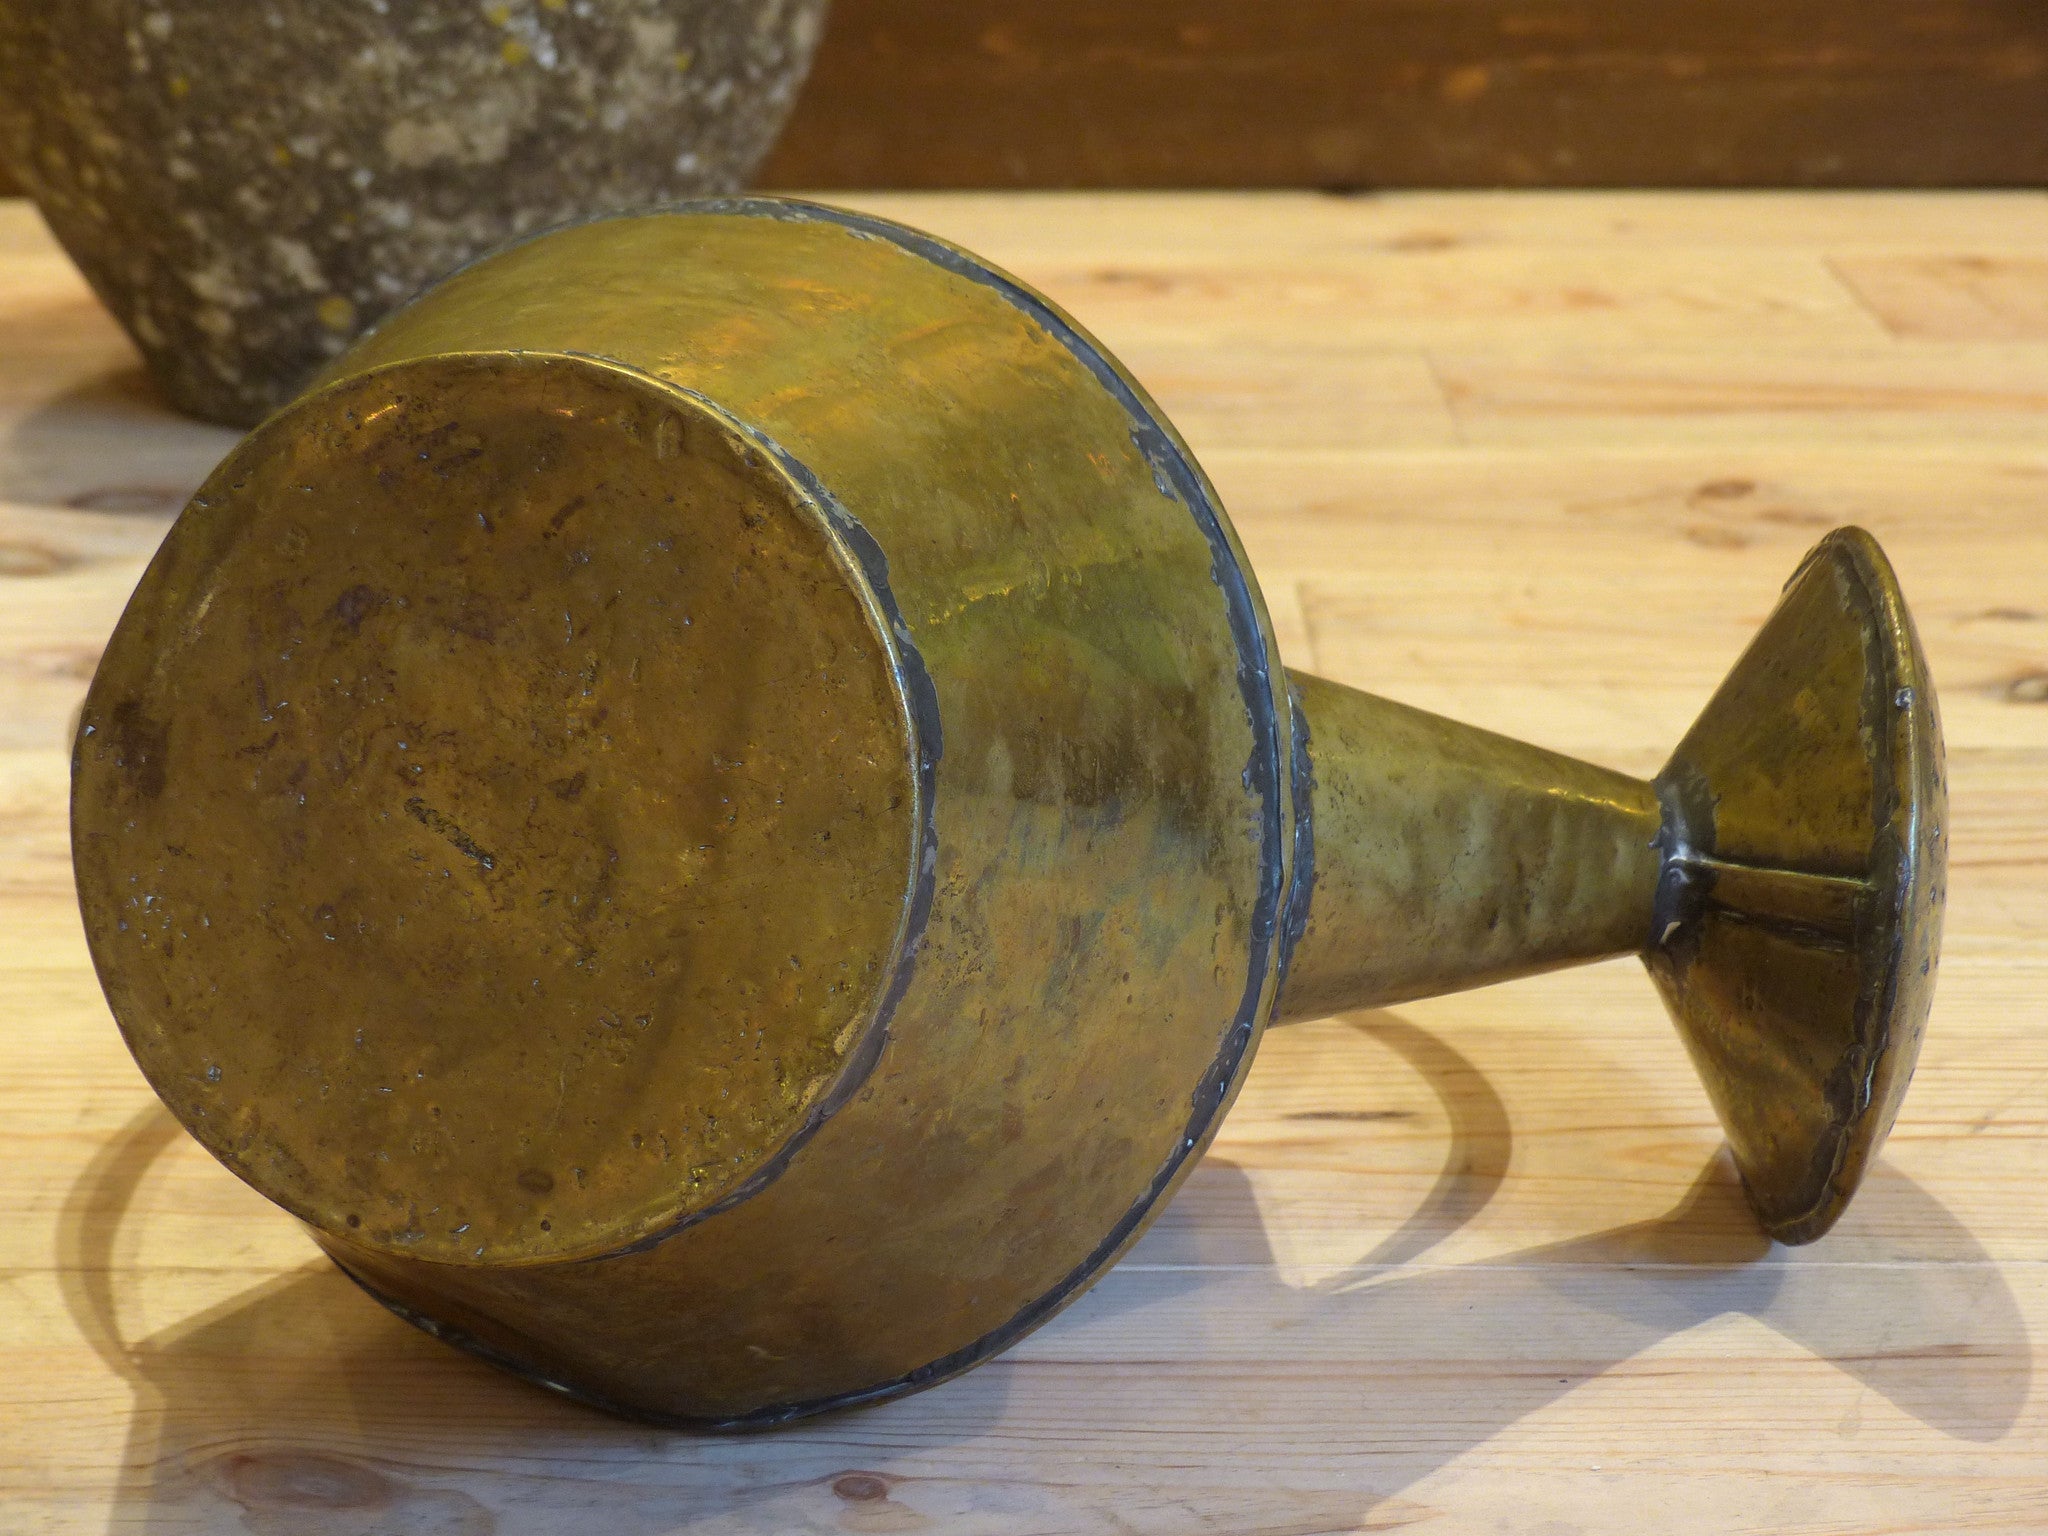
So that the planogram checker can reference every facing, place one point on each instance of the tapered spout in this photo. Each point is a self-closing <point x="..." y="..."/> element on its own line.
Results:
<point x="1782" y="877"/>
<point x="1447" y="857"/>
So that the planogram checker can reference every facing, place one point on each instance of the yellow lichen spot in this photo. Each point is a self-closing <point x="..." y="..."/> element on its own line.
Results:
<point x="684" y="59"/>
<point x="498" y="15"/>
<point x="514" y="51"/>
<point x="180" y="87"/>
<point x="279" y="155"/>
<point x="554" y="5"/>
<point x="337" y="313"/>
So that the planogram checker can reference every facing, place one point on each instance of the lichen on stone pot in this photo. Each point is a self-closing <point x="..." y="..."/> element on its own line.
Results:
<point x="250" y="184"/>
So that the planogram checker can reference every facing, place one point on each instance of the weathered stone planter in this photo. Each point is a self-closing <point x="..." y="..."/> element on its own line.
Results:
<point x="250" y="184"/>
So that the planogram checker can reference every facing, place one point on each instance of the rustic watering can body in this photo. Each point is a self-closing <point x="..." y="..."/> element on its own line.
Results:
<point x="718" y="813"/>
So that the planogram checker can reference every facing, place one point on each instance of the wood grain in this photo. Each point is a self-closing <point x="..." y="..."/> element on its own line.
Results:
<point x="1476" y="1264"/>
<point x="1404" y="93"/>
<point x="1987" y="297"/>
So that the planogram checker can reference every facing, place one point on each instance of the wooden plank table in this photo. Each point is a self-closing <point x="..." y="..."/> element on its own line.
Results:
<point x="1472" y="1265"/>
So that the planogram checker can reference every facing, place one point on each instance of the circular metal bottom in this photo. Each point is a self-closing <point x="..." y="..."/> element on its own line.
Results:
<point x="495" y="812"/>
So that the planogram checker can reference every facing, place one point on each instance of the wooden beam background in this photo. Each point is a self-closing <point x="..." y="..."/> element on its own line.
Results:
<point x="1383" y="93"/>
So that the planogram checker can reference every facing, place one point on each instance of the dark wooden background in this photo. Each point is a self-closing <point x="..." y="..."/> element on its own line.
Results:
<point x="1383" y="93"/>
<point x="1402" y="93"/>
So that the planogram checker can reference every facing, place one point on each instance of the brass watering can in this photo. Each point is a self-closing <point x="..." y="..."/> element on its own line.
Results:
<point x="717" y="813"/>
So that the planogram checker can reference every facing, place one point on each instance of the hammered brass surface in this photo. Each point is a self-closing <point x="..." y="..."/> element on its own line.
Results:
<point x="1805" y="885"/>
<point x="1783" y="877"/>
<point x="1126" y="827"/>
<point x="507" y="802"/>
<point x="1449" y="857"/>
<point x="1109" y="816"/>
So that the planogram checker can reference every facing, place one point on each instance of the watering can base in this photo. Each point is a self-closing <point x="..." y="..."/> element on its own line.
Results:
<point x="530" y="755"/>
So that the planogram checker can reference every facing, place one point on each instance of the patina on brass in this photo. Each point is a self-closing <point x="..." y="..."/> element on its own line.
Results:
<point x="717" y="812"/>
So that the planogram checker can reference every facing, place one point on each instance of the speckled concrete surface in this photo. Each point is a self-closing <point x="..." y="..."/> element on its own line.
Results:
<point x="249" y="184"/>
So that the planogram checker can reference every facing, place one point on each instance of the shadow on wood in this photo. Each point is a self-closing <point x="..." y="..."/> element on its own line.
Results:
<point x="301" y="1408"/>
<point x="96" y="434"/>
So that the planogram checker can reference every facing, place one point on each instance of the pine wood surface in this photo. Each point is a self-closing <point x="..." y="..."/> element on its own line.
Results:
<point x="1471" y="1265"/>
